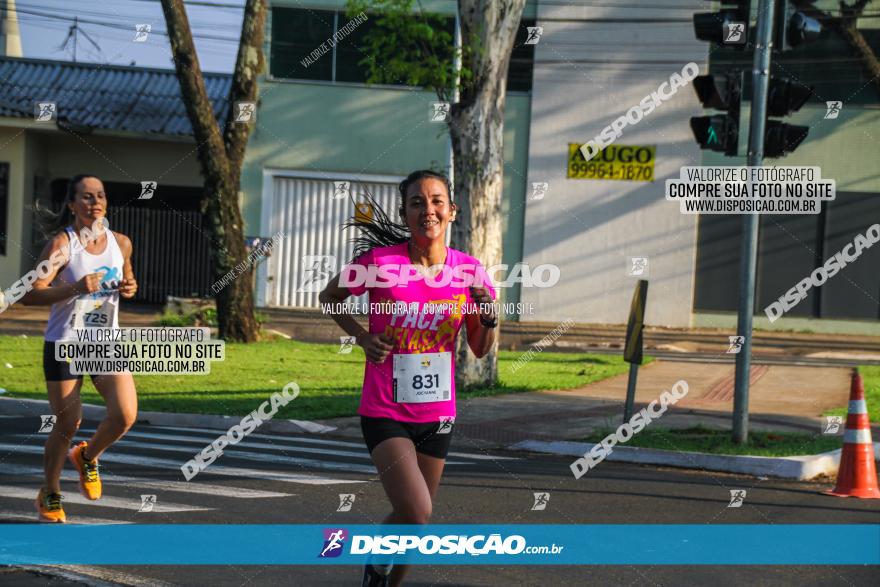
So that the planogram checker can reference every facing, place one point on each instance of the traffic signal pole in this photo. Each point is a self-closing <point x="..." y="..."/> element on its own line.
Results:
<point x="749" y="257"/>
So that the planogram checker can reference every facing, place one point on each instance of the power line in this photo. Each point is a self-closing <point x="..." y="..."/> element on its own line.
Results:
<point x="200" y="3"/>
<point x="120" y="27"/>
<point x="130" y="16"/>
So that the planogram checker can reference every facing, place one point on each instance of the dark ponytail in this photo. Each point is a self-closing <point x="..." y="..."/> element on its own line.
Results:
<point x="51" y="222"/>
<point x="382" y="231"/>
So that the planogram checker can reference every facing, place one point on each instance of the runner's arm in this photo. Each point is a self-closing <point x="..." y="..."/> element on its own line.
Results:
<point x="56" y="252"/>
<point x="128" y="287"/>
<point x="376" y="347"/>
<point x="480" y="337"/>
<point x="331" y="299"/>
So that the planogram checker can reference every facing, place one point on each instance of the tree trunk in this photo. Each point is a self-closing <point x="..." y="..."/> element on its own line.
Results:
<point x="846" y="28"/>
<point x="221" y="160"/>
<point x="476" y="127"/>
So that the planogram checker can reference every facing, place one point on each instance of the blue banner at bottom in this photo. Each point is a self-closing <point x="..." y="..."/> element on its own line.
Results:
<point x="525" y="544"/>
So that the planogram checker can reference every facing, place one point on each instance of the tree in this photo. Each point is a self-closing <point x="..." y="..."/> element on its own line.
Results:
<point x="845" y="26"/>
<point x="417" y="48"/>
<point x="221" y="155"/>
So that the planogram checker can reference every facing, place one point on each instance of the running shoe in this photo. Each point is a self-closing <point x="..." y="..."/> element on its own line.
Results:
<point x="373" y="578"/>
<point x="89" y="482"/>
<point x="49" y="508"/>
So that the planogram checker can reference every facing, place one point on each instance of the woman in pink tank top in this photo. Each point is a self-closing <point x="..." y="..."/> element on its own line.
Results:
<point x="421" y="293"/>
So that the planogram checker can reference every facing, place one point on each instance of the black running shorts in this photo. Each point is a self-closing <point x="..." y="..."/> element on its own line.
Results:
<point x="425" y="436"/>
<point x="56" y="370"/>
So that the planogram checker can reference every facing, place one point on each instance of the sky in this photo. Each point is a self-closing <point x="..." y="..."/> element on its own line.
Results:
<point x="44" y="26"/>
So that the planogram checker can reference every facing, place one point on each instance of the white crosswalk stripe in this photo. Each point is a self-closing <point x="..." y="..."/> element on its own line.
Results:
<point x="230" y="453"/>
<point x="117" y="456"/>
<point x="332" y="442"/>
<point x="291" y="459"/>
<point x="195" y="487"/>
<point x="363" y="454"/>
<point x="84" y="520"/>
<point x="163" y="507"/>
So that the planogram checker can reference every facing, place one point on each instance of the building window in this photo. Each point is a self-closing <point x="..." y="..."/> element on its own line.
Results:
<point x="522" y="61"/>
<point x="297" y="35"/>
<point x="4" y="206"/>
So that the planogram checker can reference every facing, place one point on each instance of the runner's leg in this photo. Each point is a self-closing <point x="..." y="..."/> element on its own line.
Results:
<point x="64" y="399"/>
<point x="410" y="480"/>
<point x="432" y="471"/>
<point x="119" y="394"/>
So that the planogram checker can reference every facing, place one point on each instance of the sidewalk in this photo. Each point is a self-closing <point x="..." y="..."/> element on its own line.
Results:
<point x="702" y="344"/>
<point x="782" y="399"/>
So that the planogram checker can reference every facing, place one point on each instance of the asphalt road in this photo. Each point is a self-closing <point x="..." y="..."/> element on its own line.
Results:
<point x="298" y="479"/>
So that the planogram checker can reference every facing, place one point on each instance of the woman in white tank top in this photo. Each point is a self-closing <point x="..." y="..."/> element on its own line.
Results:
<point x="89" y="275"/>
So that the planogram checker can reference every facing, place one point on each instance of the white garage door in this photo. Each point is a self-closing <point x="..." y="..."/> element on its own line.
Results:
<point x="315" y="246"/>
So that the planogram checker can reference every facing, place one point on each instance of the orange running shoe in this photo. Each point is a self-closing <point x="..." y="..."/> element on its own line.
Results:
<point x="49" y="507"/>
<point x="89" y="482"/>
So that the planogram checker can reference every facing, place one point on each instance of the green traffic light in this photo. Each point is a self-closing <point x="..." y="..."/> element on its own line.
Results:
<point x="713" y="138"/>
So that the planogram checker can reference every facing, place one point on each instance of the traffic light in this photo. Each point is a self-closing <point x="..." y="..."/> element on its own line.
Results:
<point x="729" y="26"/>
<point x="719" y="132"/>
<point x="793" y="28"/>
<point x="784" y="97"/>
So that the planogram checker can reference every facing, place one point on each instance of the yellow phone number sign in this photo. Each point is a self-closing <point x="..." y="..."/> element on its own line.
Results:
<point x="620" y="162"/>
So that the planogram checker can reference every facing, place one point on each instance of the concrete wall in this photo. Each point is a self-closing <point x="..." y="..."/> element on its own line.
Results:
<point x="12" y="151"/>
<point x="38" y="157"/>
<point x="125" y="158"/>
<point x="592" y="65"/>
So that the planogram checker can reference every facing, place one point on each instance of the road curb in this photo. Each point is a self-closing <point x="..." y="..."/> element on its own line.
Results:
<point x="35" y="407"/>
<point x="801" y="468"/>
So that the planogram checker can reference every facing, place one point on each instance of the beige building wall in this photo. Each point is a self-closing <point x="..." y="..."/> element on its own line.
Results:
<point x="592" y="64"/>
<point x="12" y="151"/>
<point x="37" y="157"/>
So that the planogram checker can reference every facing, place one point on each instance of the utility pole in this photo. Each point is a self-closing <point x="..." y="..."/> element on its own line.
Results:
<point x="780" y="27"/>
<point x="749" y="255"/>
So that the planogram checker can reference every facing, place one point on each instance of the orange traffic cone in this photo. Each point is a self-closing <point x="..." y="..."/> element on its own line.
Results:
<point x="857" y="476"/>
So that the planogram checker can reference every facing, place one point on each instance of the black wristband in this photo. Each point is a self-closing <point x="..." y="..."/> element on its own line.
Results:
<point x="492" y="324"/>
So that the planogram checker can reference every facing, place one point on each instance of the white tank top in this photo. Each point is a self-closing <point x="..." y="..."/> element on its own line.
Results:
<point x="97" y="310"/>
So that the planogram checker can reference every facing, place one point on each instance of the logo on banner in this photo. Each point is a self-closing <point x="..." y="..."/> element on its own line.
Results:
<point x="334" y="540"/>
